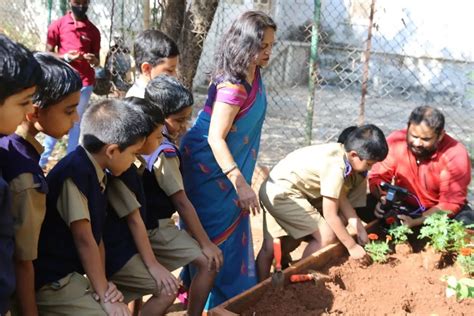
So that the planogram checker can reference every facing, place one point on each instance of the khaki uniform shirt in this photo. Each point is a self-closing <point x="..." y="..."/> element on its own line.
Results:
<point x="168" y="175"/>
<point x="120" y="197"/>
<point x="72" y="204"/>
<point x="28" y="208"/>
<point x="314" y="172"/>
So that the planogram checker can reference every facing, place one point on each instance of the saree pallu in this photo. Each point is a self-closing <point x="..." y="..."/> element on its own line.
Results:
<point x="215" y="199"/>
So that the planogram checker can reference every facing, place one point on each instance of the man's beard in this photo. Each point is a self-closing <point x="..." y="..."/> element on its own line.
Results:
<point x="423" y="153"/>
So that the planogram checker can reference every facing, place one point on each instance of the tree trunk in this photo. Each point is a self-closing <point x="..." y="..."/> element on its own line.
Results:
<point x="197" y="21"/>
<point x="173" y="16"/>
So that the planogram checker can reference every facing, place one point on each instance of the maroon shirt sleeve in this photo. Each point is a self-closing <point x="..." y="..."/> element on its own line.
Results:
<point x="95" y="45"/>
<point x="53" y="34"/>
<point x="454" y="178"/>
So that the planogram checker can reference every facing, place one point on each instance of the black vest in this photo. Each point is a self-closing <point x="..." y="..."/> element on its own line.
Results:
<point x="159" y="205"/>
<point x="118" y="239"/>
<point x="57" y="254"/>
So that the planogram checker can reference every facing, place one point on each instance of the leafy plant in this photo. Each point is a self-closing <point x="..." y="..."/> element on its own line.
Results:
<point x="466" y="260"/>
<point x="445" y="234"/>
<point x="377" y="250"/>
<point x="399" y="233"/>
<point x="462" y="288"/>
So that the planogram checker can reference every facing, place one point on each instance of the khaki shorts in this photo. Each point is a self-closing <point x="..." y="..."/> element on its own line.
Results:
<point x="134" y="280"/>
<point x="173" y="248"/>
<point x="287" y="214"/>
<point x="71" y="295"/>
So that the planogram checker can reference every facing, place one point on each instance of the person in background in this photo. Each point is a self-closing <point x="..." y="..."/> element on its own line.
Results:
<point x="76" y="40"/>
<point x="154" y="53"/>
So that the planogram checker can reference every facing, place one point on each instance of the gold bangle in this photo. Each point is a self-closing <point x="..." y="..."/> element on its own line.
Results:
<point x="226" y="171"/>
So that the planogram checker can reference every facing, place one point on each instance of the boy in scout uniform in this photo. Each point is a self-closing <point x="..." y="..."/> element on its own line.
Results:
<point x="130" y="262"/>
<point x="70" y="243"/>
<point x="164" y="193"/>
<point x="19" y="75"/>
<point x="54" y="113"/>
<point x="310" y="196"/>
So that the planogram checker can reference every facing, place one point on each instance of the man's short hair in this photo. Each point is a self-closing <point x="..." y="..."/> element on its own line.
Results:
<point x="113" y="121"/>
<point x="59" y="80"/>
<point x="432" y="117"/>
<point x="153" y="113"/>
<point x="169" y="94"/>
<point x="368" y="141"/>
<point x="20" y="70"/>
<point x="152" y="46"/>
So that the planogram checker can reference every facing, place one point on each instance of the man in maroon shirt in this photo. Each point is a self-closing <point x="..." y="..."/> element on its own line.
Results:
<point x="430" y="164"/>
<point x="76" y="40"/>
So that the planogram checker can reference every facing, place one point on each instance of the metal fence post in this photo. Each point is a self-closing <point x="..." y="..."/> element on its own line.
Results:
<point x="365" y="74"/>
<point x="50" y="8"/>
<point x="313" y="75"/>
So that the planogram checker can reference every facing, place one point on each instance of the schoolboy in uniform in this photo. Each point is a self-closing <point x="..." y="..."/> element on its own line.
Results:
<point x="164" y="192"/>
<point x="55" y="103"/>
<point x="313" y="180"/>
<point x="70" y="243"/>
<point x="154" y="53"/>
<point x="130" y="262"/>
<point x="20" y="73"/>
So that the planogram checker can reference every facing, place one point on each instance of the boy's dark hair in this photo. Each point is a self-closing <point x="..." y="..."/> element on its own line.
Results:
<point x="154" y="114"/>
<point x="432" y="117"/>
<point x="152" y="46"/>
<point x="113" y="121"/>
<point x="167" y="93"/>
<point x="240" y="45"/>
<point x="343" y="136"/>
<point x="20" y="70"/>
<point x="59" y="80"/>
<point x="368" y="141"/>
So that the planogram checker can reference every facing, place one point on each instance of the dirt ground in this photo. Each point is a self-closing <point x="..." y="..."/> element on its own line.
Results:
<point x="404" y="285"/>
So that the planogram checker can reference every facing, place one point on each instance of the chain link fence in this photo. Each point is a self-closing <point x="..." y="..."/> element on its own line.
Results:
<point x="336" y="62"/>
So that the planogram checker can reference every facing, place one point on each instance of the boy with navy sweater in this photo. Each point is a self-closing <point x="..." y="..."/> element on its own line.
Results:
<point x="54" y="113"/>
<point x="164" y="192"/>
<point x="70" y="243"/>
<point x="20" y="73"/>
<point x="130" y="261"/>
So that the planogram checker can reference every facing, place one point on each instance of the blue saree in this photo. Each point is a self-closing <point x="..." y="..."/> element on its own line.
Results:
<point x="215" y="199"/>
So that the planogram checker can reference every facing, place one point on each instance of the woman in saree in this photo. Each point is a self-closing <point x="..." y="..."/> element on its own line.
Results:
<point x="219" y="152"/>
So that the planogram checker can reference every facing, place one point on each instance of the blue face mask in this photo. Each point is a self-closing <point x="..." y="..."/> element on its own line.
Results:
<point x="79" y="11"/>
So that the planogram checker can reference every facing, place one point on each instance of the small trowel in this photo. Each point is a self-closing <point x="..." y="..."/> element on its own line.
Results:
<point x="277" y="278"/>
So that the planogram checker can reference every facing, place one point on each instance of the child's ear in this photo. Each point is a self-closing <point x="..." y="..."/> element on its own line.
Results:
<point x="111" y="150"/>
<point x="33" y="116"/>
<point x="352" y="154"/>
<point x="146" y="68"/>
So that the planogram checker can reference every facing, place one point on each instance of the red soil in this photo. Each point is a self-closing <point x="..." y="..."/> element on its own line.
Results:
<point x="401" y="286"/>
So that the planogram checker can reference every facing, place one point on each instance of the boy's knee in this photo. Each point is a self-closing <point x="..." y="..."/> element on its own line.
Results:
<point x="200" y="261"/>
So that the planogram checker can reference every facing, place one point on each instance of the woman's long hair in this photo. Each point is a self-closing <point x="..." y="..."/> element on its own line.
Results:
<point x="240" y="46"/>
